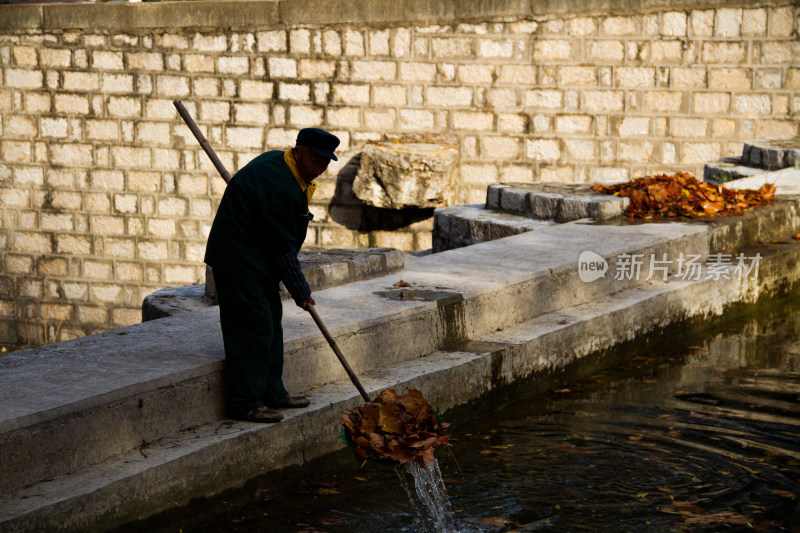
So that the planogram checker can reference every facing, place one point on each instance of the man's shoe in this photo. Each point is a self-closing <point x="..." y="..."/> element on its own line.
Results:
<point x="292" y="402"/>
<point x="261" y="414"/>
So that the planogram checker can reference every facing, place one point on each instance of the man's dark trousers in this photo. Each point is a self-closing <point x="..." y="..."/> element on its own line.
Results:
<point x="250" y="316"/>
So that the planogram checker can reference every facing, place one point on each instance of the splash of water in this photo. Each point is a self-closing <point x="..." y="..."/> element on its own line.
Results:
<point x="432" y="510"/>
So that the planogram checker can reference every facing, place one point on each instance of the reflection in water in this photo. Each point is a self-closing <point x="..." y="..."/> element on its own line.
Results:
<point x="698" y="430"/>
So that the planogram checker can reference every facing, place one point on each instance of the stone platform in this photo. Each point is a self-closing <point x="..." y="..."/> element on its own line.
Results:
<point x="111" y="429"/>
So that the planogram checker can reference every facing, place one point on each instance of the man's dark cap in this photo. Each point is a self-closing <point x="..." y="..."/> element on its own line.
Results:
<point x="320" y="141"/>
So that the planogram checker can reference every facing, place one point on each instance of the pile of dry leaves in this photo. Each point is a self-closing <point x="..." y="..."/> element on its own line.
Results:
<point x="395" y="428"/>
<point x="681" y="195"/>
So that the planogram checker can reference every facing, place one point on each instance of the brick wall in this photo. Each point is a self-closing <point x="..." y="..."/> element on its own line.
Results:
<point x="105" y="195"/>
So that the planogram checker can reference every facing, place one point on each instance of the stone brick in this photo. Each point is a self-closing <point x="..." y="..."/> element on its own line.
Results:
<point x="144" y="181"/>
<point x="71" y="104"/>
<point x="695" y="153"/>
<point x="107" y="225"/>
<point x="73" y="244"/>
<point x="353" y="43"/>
<point x="305" y="116"/>
<point x="723" y="52"/>
<point x="752" y="104"/>
<point x="271" y="41"/>
<point x="209" y="43"/>
<point x="389" y="95"/>
<point x="581" y="26"/>
<point x="451" y="47"/>
<point x="663" y="101"/>
<point x="511" y="123"/>
<point x="153" y="132"/>
<point x="32" y="242"/>
<point x="754" y="22"/>
<point x="14" y="197"/>
<point x="673" y="24"/>
<point x="20" y="127"/>
<point x="636" y="77"/>
<point x="728" y="23"/>
<point x="102" y="130"/>
<point x="16" y="151"/>
<point x="574" y="75"/>
<point x="780" y="52"/>
<point x="351" y="94"/>
<point x="115" y="83"/>
<point x="56" y="222"/>
<point x="399" y="240"/>
<point x="502" y="148"/>
<point x="251" y="113"/>
<point x="55" y="58"/>
<point x="198" y="63"/>
<point x="449" y="96"/>
<point x="317" y="69"/>
<point x="34" y="102"/>
<point x="294" y="92"/>
<point x="117" y="247"/>
<point x="473" y="121"/>
<point x="479" y="174"/>
<point x="148" y="61"/>
<point x="105" y="293"/>
<point x="416" y="119"/>
<point x="380" y="119"/>
<point x="126" y="317"/>
<point x="161" y="227"/>
<point x="687" y="78"/>
<point x="729" y="79"/>
<point x="619" y="26"/>
<point x="129" y="272"/>
<point x="484" y="74"/>
<point x="702" y="23"/>
<point x="666" y="52"/>
<point x="233" y="65"/>
<point x="244" y="137"/>
<point x="688" y="127"/>
<point x="781" y="21"/>
<point x="71" y="155"/>
<point x="129" y="157"/>
<point x="401" y="42"/>
<point x="125" y="203"/>
<point x="19" y="264"/>
<point x="573" y="124"/>
<point x="580" y="150"/>
<point x="546" y="50"/>
<point x="280" y="138"/>
<point x="777" y="128"/>
<point x="171" y="206"/>
<point x="602" y="101"/>
<point x="373" y="70"/>
<point x="710" y="103"/>
<point x="344" y="117"/>
<point x="255" y="90"/>
<point x="97" y="269"/>
<point x="503" y="98"/>
<point x="81" y="81"/>
<point x="66" y="200"/>
<point x="92" y="315"/>
<point x="124" y="106"/>
<point x="25" y="56"/>
<point x="496" y="48"/>
<point x="106" y="60"/>
<point x="167" y="85"/>
<point x="215" y="111"/>
<point x="542" y="150"/>
<point x="544" y="99"/>
<point x="768" y="79"/>
<point x="413" y="71"/>
<point x="606" y="51"/>
<point x="300" y="41"/>
<point x="98" y="202"/>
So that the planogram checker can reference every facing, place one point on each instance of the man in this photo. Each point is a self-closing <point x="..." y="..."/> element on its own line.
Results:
<point x="260" y="225"/>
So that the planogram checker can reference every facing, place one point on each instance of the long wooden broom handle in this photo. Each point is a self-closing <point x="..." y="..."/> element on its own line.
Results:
<point x="187" y="118"/>
<point x="329" y="338"/>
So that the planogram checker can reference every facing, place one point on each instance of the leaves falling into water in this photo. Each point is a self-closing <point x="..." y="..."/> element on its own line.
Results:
<point x="682" y="195"/>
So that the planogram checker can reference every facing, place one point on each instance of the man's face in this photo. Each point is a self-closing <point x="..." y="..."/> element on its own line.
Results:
<point x="309" y="163"/>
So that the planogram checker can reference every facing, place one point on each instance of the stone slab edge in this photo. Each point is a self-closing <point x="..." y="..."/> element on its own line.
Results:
<point x="447" y="379"/>
<point x="138" y="16"/>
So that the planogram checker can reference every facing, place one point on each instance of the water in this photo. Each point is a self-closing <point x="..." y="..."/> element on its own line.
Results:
<point x="697" y="429"/>
<point x="432" y="510"/>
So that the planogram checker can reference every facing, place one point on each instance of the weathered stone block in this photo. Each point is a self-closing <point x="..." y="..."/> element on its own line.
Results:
<point x="406" y="175"/>
<point x="572" y="208"/>
<point x="544" y="205"/>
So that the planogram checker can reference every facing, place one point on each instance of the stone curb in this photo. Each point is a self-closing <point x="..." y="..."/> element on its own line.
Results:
<point x="563" y="203"/>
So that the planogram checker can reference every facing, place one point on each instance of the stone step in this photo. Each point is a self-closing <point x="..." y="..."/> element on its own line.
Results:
<point x="772" y="154"/>
<point x="561" y="203"/>
<point x="124" y="488"/>
<point x="729" y="169"/>
<point x="464" y="225"/>
<point x="80" y="405"/>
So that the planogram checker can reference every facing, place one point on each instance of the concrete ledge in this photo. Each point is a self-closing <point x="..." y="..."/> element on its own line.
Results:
<point x="260" y="14"/>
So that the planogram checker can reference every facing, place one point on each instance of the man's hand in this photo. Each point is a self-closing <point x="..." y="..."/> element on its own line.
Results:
<point x="304" y="304"/>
